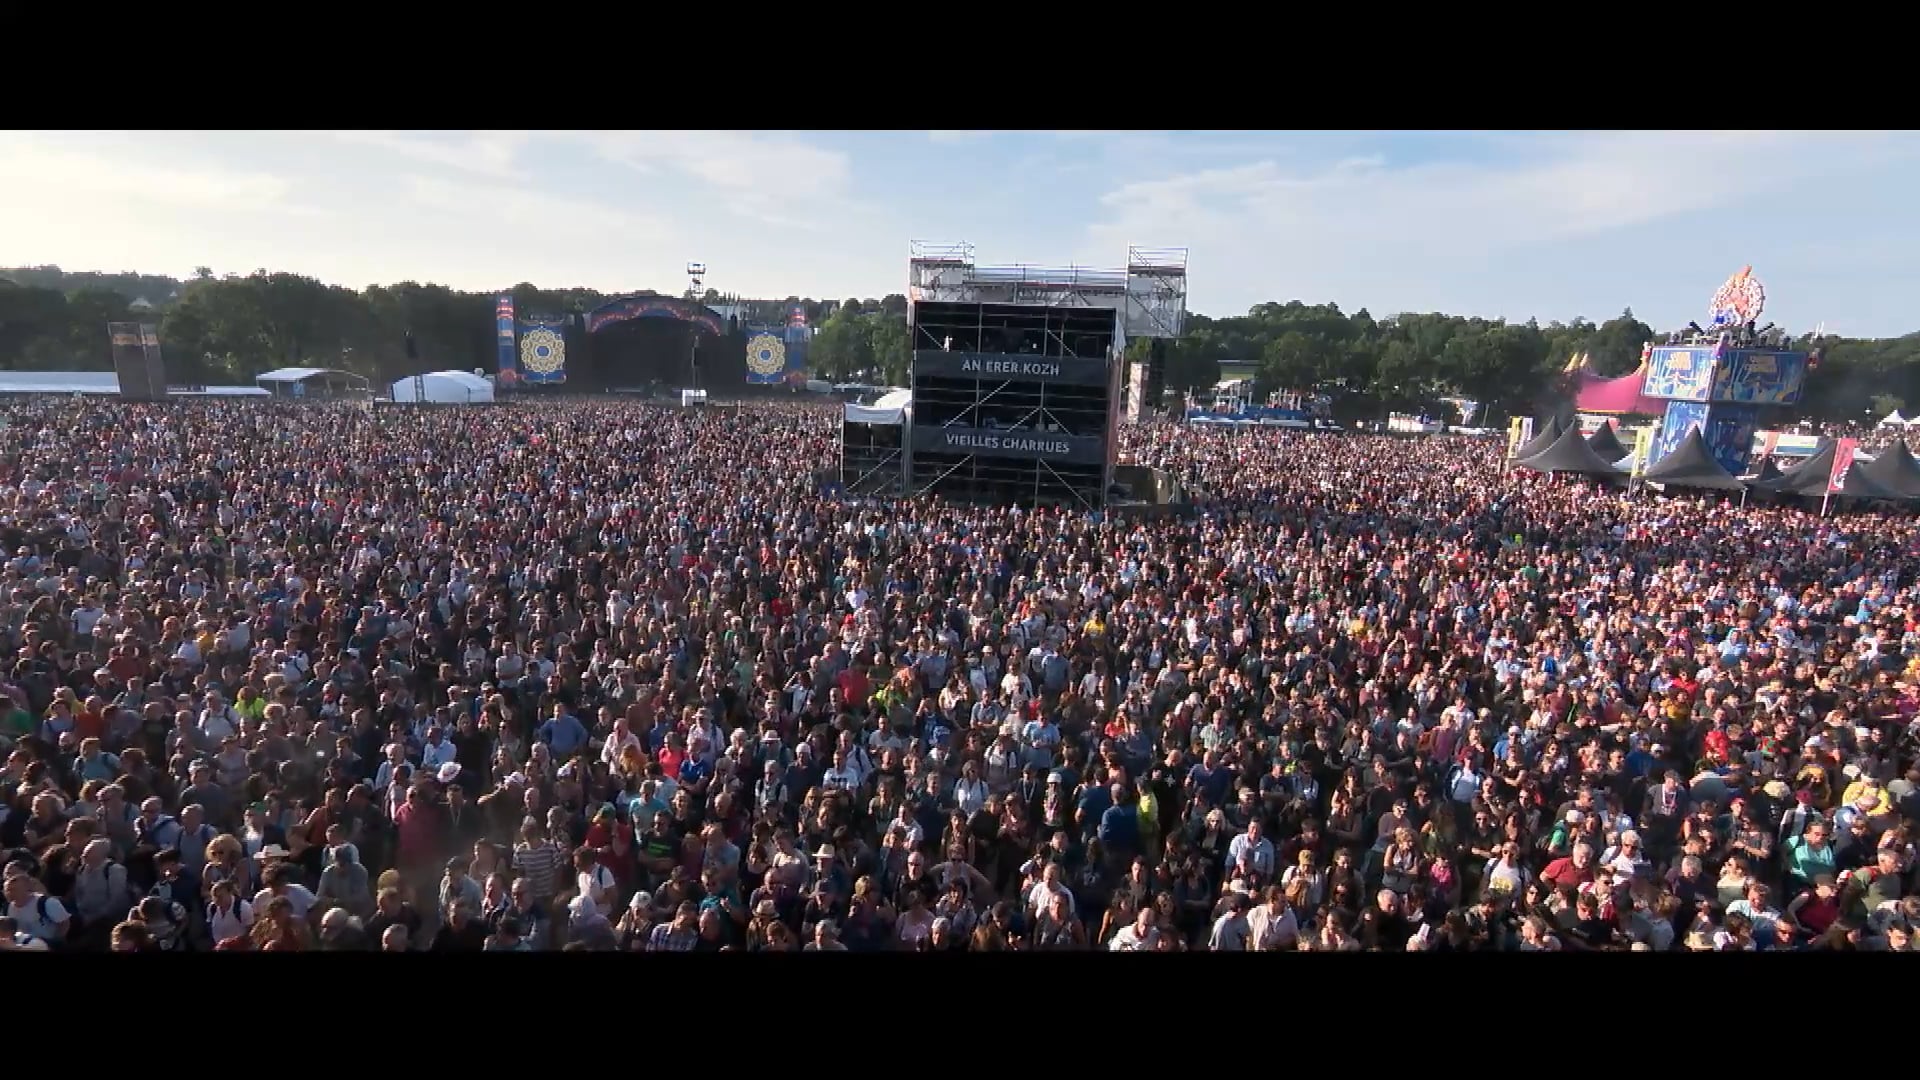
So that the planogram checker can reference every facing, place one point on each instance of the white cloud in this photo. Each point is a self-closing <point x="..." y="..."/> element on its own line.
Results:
<point x="504" y="206"/>
<point x="777" y="179"/>
<point x="1261" y="229"/>
<point x="35" y="174"/>
<point x="484" y="153"/>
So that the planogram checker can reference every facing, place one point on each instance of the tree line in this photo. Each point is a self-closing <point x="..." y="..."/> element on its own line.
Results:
<point x="227" y="329"/>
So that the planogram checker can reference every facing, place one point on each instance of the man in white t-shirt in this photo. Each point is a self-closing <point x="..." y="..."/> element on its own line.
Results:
<point x="1138" y="936"/>
<point x="37" y="915"/>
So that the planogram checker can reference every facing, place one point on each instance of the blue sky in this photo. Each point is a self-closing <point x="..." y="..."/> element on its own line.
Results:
<point x="1511" y="224"/>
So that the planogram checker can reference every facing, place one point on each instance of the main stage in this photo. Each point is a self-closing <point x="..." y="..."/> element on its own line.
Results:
<point x="631" y="343"/>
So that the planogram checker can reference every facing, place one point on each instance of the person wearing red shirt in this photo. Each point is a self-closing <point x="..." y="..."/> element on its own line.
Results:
<point x="1575" y="868"/>
<point x="854" y="685"/>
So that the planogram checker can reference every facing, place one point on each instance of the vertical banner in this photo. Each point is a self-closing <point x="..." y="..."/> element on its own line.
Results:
<point x="798" y="337"/>
<point x="1642" y="449"/>
<point x="1843" y="452"/>
<point x="1136" y="391"/>
<point x="1519" y="433"/>
<point x="766" y="357"/>
<point x="509" y="352"/>
<point x="543" y="350"/>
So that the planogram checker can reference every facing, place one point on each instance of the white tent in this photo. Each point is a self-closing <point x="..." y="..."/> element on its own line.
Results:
<point x="443" y="388"/>
<point x="890" y="409"/>
<point x="1894" y="419"/>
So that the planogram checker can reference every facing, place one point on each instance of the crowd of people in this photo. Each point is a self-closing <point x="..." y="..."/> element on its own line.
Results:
<point x="609" y="676"/>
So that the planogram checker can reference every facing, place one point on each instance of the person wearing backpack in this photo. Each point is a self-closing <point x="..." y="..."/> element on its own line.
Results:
<point x="36" y="914"/>
<point x="100" y="893"/>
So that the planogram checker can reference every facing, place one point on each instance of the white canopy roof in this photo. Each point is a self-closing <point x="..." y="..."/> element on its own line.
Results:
<point x="891" y="408"/>
<point x="444" y="388"/>
<point x="1894" y="419"/>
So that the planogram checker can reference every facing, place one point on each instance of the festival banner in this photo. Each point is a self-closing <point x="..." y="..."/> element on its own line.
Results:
<point x="766" y="357"/>
<point x="509" y="353"/>
<point x="1760" y="377"/>
<point x="1642" y="448"/>
<point x="1071" y="370"/>
<point x="1680" y="374"/>
<point x="1030" y="445"/>
<point x="1843" y="452"/>
<point x="1519" y="433"/>
<point x="799" y="337"/>
<point x="543" y="350"/>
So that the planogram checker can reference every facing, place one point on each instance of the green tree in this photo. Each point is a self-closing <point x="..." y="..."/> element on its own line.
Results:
<point x="887" y="343"/>
<point x="843" y="348"/>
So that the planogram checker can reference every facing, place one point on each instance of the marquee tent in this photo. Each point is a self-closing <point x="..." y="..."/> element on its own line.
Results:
<point x="1570" y="454"/>
<point x="1606" y="443"/>
<point x="443" y="388"/>
<point x="1692" y="465"/>
<point x="1894" y="469"/>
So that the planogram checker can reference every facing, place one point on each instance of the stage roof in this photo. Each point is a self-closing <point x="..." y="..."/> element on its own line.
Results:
<point x="299" y="374"/>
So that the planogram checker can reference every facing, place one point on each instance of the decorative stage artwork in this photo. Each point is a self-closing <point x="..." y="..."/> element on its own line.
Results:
<point x="1729" y="435"/>
<point x="654" y="307"/>
<point x="1757" y="377"/>
<point x="766" y="358"/>
<point x="1682" y="373"/>
<point x="799" y="336"/>
<point x="1682" y="417"/>
<point x="503" y="331"/>
<point x="543" y="350"/>
<point x="1739" y="301"/>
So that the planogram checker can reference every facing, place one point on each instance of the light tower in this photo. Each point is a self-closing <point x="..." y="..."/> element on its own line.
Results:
<point x="696" y="279"/>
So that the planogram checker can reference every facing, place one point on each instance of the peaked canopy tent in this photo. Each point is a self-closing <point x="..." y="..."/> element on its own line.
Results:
<point x="1810" y="478"/>
<point x="1546" y="433"/>
<point x="314" y="383"/>
<point x="1571" y="454"/>
<point x="1691" y="465"/>
<point x="443" y="388"/>
<point x="1894" y="419"/>
<point x="1607" y="444"/>
<point x="1767" y="473"/>
<point x="1894" y="469"/>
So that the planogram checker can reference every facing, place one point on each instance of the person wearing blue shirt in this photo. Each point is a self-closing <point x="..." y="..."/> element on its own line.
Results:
<point x="1120" y="828"/>
<point x="695" y="771"/>
<point x="1210" y="777"/>
<point x="563" y="734"/>
<point x="1095" y="800"/>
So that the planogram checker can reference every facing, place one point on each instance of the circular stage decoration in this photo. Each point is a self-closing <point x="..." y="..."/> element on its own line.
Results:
<point x="766" y="355"/>
<point x="543" y="351"/>
<point x="1740" y="300"/>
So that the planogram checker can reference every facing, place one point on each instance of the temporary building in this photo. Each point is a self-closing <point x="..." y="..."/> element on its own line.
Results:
<point x="443" y="388"/>
<point x="1692" y="465"/>
<point x="872" y="441"/>
<point x="1570" y="454"/>
<point x="1606" y="443"/>
<point x="1894" y="419"/>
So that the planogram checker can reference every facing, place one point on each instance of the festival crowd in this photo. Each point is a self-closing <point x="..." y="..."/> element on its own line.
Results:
<point x="609" y="676"/>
